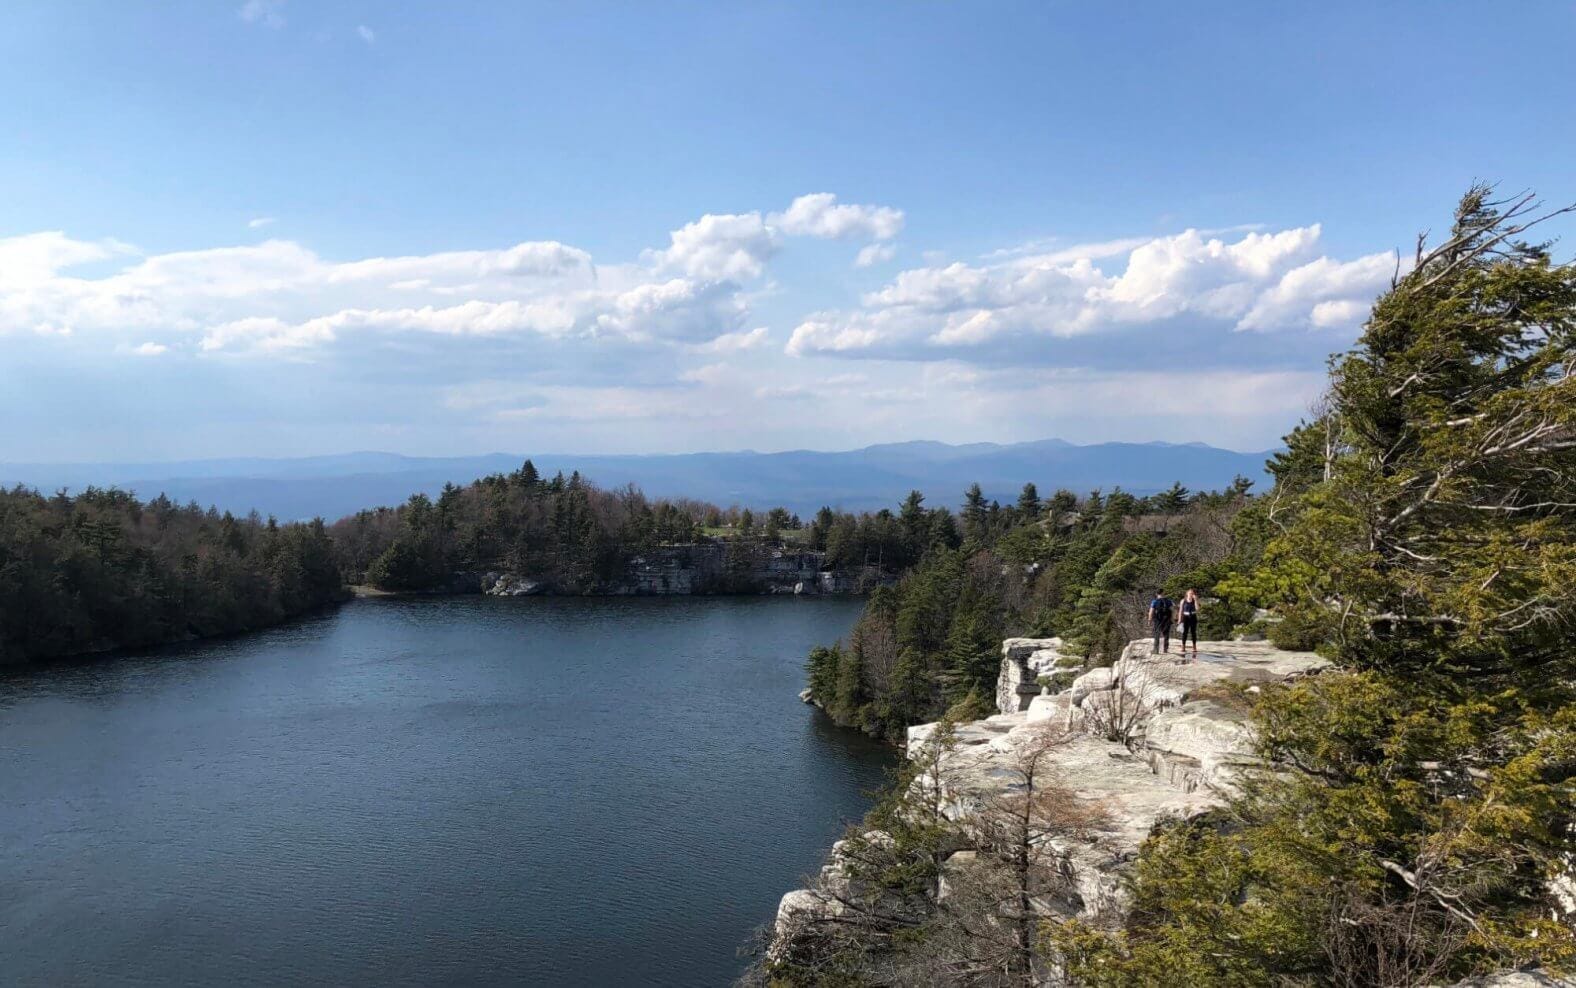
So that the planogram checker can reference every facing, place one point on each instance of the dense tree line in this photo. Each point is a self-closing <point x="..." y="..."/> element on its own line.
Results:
<point x="104" y="570"/>
<point x="564" y="531"/>
<point x="1082" y="568"/>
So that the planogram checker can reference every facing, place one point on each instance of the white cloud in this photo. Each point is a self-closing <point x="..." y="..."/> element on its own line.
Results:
<point x="36" y="257"/>
<point x="820" y="215"/>
<point x="366" y="34"/>
<point x="731" y="246"/>
<point x="873" y="254"/>
<point x="1322" y="293"/>
<point x="257" y="223"/>
<point x="268" y="13"/>
<point x="738" y="342"/>
<point x="1262" y="282"/>
<point x="632" y="353"/>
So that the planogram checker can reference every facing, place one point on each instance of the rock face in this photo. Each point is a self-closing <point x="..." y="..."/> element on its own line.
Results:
<point x="1198" y="744"/>
<point x="509" y="585"/>
<point x="1175" y="760"/>
<point x="1023" y="662"/>
<point x="700" y="568"/>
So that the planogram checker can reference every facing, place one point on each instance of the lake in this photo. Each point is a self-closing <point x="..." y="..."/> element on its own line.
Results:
<point x="553" y="791"/>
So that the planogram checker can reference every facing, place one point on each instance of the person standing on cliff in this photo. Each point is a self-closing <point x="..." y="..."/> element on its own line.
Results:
<point x="1160" y="610"/>
<point x="1189" y="611"/>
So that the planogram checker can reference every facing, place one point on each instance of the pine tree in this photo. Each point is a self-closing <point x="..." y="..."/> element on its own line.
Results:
<point x="974" y="512"/>
<point x="1029" y="502"/>
<point x="1427" y="541"/>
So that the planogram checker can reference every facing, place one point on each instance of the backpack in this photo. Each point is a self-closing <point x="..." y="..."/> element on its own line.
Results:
<point x="1162" y="606"/>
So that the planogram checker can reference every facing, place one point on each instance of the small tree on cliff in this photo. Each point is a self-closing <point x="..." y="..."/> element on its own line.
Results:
<point x="1430" y="545"/>
<point x="985" y="928"/>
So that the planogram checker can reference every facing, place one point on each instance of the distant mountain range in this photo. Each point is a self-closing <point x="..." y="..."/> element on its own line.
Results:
<point x="800" y="480"/>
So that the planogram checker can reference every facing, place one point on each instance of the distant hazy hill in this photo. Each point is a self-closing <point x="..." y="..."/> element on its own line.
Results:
<point x="801" y="480"/>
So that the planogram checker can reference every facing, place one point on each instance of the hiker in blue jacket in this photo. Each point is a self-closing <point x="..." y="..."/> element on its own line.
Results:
<point x="1160" y="611"/>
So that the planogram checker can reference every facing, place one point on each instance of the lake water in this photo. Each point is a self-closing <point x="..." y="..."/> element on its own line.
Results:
<point x="425" y="791"/>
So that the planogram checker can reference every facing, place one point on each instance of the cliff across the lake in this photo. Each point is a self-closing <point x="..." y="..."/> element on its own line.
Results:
<point x="718" y="567"/>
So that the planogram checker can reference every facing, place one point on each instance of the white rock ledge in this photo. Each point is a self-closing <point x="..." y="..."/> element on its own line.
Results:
<point x="1177" y="764"/>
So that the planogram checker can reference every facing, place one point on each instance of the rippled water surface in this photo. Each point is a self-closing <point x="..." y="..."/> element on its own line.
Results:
<point x="448" y="790"/>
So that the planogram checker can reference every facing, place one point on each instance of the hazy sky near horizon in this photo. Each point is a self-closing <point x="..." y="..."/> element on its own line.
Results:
<point x="279" y="227"/>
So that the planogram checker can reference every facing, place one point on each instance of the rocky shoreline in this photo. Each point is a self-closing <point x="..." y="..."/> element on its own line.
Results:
<point x="676" y="571"/>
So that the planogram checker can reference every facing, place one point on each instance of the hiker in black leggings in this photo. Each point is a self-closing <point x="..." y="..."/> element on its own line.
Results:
<point x="1190" y="621"/>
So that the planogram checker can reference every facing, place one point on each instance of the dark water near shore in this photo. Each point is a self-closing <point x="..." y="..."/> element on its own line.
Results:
<point x="436" y="791"/>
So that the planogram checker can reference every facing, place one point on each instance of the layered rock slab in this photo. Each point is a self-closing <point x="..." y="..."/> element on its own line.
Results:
<point x="1023" y="662"/>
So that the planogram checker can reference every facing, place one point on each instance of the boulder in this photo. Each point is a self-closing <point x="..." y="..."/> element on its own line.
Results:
<point x="1198" y="743"/>
<point x="1055" y="708"/>
<point x="1092" y="681"/>
<point x="509" y="585"/>
<point x="1023" y="662"/>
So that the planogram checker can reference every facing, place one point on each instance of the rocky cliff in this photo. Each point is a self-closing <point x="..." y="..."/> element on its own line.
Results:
<point x="702" y="568"/>
<point x="1148" y="740"/>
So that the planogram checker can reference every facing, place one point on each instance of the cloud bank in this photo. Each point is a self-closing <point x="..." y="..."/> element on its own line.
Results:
<point x="697" y="342"/>
<point x="1262" y="282"/>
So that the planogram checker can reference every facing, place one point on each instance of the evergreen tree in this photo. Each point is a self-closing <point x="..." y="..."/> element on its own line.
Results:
<point x="1029" y="502"/>
<point x="1426" y="538"/>
<point x="974" y="512"/>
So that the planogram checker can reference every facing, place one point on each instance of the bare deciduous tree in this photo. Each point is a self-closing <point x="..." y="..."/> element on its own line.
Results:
<point x="1140" y="686"/>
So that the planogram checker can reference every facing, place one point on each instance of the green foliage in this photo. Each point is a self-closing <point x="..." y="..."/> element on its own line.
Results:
<point x="566" y="532"/>
<point x="1422" y="532"/>
<point x="1083" y="571"/>
<point x="973" y="706"/>
<point x="104" y="570"/>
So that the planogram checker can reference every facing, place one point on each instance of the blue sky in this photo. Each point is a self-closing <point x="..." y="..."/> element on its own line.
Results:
<point x="282" y="228"/>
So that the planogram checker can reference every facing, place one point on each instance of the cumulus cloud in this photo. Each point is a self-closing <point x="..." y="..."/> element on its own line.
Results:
<point x="366" y="34"/>
<point x="257" y="223"/>
<point x="728" y="246"/>
<point x="279" y="295"/>
<point x="35" y="258"/>
<point x="738" y="342"/>
<point x="1261" y="282"/>
<point x="873" y="254"/>
<point x="737" y="246"/>
<point x="821" y="215"/>
<point x="631" y="352"/>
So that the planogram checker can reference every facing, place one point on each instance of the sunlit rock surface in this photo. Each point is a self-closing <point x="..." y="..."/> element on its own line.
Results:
<point x="1023" y="662"/>
<point x="1174" y="759"/>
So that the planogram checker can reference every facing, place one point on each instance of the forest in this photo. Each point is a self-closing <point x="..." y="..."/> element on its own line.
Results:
<point x="1083" y="568"/>
<point x="578" y="538"/>
<point x="103" y="570"/>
